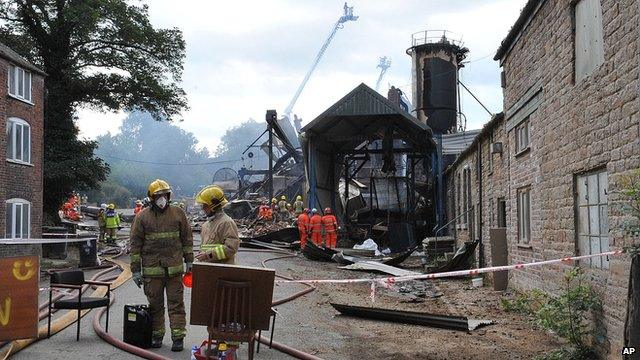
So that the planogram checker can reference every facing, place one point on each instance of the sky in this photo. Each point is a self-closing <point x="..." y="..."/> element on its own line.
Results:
<point x="244" y="57"/>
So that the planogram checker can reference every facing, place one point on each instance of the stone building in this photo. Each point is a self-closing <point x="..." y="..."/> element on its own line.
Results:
<point x="548" y="169"/>
<point x="22" y="116"/>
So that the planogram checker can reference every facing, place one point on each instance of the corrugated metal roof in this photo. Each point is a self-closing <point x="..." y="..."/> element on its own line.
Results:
<point x="7" y="53"/>
<point x="362" y="114"/>
<point x="456" y="143"/>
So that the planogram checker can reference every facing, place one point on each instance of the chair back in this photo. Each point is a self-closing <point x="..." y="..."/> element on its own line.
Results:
<point x="69" y="277"/>
<point x="231" y="311"/>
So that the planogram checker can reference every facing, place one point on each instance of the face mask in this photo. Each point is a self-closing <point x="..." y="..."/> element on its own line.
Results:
<point x="161" y="202"/>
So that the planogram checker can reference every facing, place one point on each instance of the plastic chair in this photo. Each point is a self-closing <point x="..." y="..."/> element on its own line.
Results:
<point x="231" y="314"/>
<point x="74" y="280"/>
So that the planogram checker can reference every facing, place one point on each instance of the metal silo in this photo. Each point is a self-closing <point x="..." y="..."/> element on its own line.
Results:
<point x="437" y="56"/>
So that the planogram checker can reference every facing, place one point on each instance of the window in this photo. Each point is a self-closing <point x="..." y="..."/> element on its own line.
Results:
<point x="19" y="83"/>
<point x="502" y="213"/>
<point x="593" y="223"/>
<point x="588" y="41"/>
<point x="490" y="212"/>
<point x="18" y="219"/>
<point x="490" y="162"/>
<point x="466" y="195"/>
<point x="524" y="216"/>
<point x="18" y="141"/>
<point x="522" y="136"/>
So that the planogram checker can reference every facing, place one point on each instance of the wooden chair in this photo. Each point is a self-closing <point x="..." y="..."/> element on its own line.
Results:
<point x="231" y="314"/>
<point x="274" y="313"/>
<point x="74" y="280"/>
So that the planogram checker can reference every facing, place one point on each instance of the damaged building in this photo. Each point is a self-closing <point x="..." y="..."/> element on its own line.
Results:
<point x="543" y="178"/>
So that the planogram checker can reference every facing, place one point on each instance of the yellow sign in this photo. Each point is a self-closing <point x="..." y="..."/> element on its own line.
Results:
<point x="19" y="297"/>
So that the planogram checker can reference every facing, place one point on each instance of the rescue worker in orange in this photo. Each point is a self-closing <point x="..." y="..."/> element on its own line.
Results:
<point x="138" y="207"/>
<point x="315" y="227"/>
<point x="161" y="248"/>
<point x="330" y="225"/>
<point x="220" y="239"/>
<point x="265" y="212"/>
<point x="303" y="226"/>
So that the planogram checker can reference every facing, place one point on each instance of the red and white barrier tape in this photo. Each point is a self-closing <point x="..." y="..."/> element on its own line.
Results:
<point x="388" y="281"/>
<point x="16" y="241"/>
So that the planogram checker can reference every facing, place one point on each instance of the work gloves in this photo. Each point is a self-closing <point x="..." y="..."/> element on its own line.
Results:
<point x="137" y="279"/>
<point x="188" y="267"/>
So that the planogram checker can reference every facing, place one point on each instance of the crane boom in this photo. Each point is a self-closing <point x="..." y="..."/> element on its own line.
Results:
<point x="383" y="65"/>
<point x="347" y="16"/>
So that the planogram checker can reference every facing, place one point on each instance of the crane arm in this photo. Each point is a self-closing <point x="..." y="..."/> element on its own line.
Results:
<point x="348" y="16"/>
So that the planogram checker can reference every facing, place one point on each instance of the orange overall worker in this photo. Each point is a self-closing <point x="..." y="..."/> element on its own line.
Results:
<point x="330" y="229"/>
<point x="303" y="227"/>
<point x="315" y="227"/>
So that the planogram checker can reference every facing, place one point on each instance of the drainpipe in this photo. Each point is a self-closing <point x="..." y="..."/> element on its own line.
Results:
<point x="479" y="174"/>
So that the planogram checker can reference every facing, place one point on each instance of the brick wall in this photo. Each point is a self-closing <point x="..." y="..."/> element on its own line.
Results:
<point x="576" y="128"/>
<point x="16" y="180"/>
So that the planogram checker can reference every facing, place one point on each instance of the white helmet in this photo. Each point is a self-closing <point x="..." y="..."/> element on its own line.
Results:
<point x="103" y="206"/>
<point x="314" y="211"/>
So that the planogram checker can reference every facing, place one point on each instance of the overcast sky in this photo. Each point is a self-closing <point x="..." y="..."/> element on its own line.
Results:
<point x="244" y="57"/>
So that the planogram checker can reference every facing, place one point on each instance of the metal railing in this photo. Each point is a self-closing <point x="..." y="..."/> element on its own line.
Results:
<point x="436" y="36"/>
<point x="437" y="229"/>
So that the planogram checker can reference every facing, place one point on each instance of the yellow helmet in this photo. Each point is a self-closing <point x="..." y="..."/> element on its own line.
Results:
<point x="298" y="198"/>
<point x="158" y="187"/>
<point x="274" y="200"/>
<point x="212" y="195"/>
<point x="283" y="197"/>
<point x="111" y="206"/>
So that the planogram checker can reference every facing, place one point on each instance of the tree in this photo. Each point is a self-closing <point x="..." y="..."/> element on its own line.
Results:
<point x="102" y="54"/>
<point x="145" y="150"/>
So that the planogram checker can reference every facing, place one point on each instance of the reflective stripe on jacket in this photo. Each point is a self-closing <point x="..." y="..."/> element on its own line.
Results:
<point x="315" y="224"/>
<point x="112" y="220"/>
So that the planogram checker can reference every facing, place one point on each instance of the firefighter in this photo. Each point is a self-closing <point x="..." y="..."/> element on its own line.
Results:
<point x="138" y="207"/>
<point x="112" y="223"/>
<point x="315" y="227"/>
<point x="161" y="241"/>
<point x="282" y="206"/>
<point x="264" y="212"/>
<point x="330" y="225"/>
<point x="298" y="206"/>
<point x="274" y="203"/>
<point x="102" y="222"/>
<point x="303" y="227"/>
<point x="220" y="240"/>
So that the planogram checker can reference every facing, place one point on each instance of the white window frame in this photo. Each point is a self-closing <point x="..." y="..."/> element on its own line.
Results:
<point x="13" y="78"/>
<point x="10" y="228"/>
<point x="524" y="216"/>
<point x="12" y="154"/>
<point x="592" y="217"/>
<point x="523" y="136"/>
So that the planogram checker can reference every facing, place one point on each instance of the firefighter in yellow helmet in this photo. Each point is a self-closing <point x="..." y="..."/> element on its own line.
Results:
<point x="161" y="241"/>
<point x="220" y="240"/>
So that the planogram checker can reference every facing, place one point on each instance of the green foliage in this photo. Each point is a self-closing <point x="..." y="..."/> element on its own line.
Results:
<point x="103" y="54"/>
<point x="111" y="192"/>
<point x="568" y="353"/>
<point x="525" y="303"/>
<point x="567" y="315"/>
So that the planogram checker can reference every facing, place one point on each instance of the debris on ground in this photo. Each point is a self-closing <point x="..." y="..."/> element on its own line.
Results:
<point x="412" y="317"/>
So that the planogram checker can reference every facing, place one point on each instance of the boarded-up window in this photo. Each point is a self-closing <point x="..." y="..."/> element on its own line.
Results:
<point x="524" y="216"/>
<point x="593" y="220"/>
<point x="502" y="213"/>
<point x="588" y="42"/>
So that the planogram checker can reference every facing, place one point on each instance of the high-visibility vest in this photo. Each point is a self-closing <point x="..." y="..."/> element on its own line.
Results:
<point x="330" y="223"/>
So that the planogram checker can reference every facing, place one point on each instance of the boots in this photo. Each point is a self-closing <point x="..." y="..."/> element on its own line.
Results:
<point x="156" y="342"/>
<point x="178" y="345"/>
